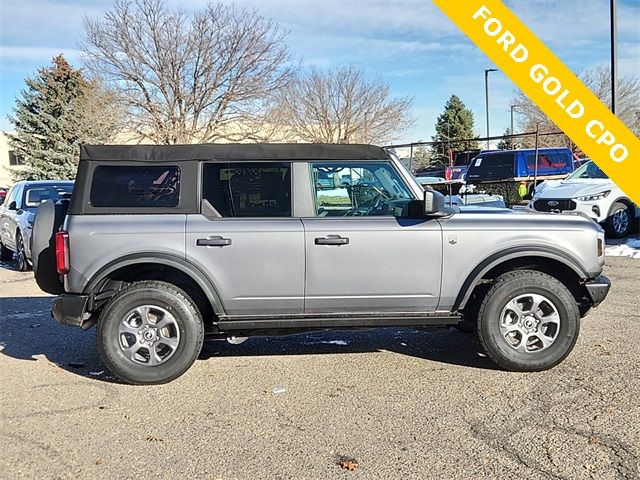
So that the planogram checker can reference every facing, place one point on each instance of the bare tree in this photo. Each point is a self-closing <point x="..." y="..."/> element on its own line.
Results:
<point x="188" y="78"/>
<point x="598" y="80"/>
<point x="341" y="106"/>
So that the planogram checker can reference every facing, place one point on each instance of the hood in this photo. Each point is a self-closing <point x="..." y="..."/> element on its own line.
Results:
<point x="573" y="188"/>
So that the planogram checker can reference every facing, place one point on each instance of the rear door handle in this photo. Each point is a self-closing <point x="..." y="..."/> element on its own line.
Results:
<point x="332" y="240"/>
<point x="213" y="242"/>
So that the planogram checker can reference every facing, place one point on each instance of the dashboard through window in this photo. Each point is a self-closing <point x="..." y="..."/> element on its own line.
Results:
<point x="359" y="189"/>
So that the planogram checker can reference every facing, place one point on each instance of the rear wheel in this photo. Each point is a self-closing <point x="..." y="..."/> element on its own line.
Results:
<point x="619" y="222"/>
<point x="150" y="332"/>
<point x="528" y="321"/>
<point x="21" y="254"/>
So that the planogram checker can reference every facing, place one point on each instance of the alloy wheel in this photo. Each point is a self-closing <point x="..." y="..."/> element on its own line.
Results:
<point x="21" y="256"/>
<point x="620" y="220"/>
<point x="529" y="323"/>
<point x="148" y="335"/>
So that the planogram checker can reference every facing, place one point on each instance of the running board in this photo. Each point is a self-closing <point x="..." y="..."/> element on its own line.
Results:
<point x="323" y="321"/>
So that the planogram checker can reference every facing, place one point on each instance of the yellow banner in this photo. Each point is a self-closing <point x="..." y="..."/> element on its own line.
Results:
<point x="552" y="86"/>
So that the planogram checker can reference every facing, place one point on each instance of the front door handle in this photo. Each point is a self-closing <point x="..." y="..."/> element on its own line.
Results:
<point x="332" y="240"/>
<point x="213" y="242"/>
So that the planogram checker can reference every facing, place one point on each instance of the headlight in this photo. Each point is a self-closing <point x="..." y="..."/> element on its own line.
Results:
<point x="594" y="197"/>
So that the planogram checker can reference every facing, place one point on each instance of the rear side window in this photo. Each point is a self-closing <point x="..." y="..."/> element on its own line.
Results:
<point x="248" y="189"/>
<point x="549" y="162"/>
<point x="135" y="186"/>
<point x="493" y="166"/>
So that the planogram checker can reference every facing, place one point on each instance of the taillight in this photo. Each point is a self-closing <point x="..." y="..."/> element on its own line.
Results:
<point x="62" y="253"/>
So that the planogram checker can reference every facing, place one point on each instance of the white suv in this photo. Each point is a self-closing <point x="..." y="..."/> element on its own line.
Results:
<point x="588" y="190"/>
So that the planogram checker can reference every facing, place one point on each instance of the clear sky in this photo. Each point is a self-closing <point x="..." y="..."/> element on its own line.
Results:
<point x="410" y="44"/>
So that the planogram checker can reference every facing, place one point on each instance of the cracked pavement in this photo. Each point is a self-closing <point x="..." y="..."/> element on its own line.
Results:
<point x="403" y="403"/>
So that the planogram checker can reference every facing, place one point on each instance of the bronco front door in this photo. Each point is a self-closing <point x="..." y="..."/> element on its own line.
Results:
<point x="364" y="253"/>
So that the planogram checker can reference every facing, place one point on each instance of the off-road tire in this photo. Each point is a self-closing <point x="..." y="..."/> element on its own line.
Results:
<point x="609" y="226"/>
<point x="172" y="299"/>
<point x="509" y="286"/>
<point x="6" y="255"/>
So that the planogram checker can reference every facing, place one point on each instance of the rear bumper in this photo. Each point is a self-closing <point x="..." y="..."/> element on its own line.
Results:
<point x="598" y="289"/>
<point x="69" y="309"/>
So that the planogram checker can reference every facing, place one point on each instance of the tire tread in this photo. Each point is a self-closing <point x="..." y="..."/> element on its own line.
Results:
<point x="156" y="285"/>
<point x="560" y="290"/>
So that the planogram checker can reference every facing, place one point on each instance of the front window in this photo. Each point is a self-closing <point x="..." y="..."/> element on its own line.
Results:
<point x="588" y="170"/>
<point x="359" y="189"/>
<point x="34" y="196"/>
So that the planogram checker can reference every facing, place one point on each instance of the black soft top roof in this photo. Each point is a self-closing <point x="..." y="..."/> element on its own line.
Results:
<point x="232" y="151"/>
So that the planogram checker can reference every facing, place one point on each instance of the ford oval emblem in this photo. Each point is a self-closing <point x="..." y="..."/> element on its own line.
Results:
<point x="553" y="203"/>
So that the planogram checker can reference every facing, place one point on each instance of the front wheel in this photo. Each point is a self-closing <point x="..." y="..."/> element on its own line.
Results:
<point x="21" y="255"/>
<point x="151" y="332"/>
<point x="528" y="321"/>
<point x="619" y="222"/>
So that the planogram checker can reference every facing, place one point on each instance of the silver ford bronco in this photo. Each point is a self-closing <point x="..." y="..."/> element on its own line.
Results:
<point x="162" y="246"/>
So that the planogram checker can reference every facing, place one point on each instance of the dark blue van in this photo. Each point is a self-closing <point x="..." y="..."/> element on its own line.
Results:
<point x="520" y="165"/>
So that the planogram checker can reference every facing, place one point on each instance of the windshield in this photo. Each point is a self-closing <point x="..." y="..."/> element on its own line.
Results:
<point x="462" y="159"/>
<point x="34" y="196"/>
<point x="588" y="170"/>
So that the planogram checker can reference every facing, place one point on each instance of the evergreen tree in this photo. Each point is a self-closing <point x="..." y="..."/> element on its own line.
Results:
<point x="57" y="112"/>
<point x="508" y="143"/>
<point x="455" y="123"/>
<point x="420" y="159"/>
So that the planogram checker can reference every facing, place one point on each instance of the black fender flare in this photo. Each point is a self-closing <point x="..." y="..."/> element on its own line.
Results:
<point x="473" y="279"/>
<point x="174" y="261"/>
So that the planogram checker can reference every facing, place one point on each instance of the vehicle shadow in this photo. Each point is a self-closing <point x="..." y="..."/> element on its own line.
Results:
<point x="27" y="332"/>
<point x="439" y="345"/>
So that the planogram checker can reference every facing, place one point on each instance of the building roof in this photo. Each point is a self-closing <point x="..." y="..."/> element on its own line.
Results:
<point x="232" y="151"/>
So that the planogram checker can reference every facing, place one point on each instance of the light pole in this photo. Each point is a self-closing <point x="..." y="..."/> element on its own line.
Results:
<point x="486" y="93"/>
<point x="513" y="108"/>
<point x="449" y="141"/>
<point x="614" y="54"/>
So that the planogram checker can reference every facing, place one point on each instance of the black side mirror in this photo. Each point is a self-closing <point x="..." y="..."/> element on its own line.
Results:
<point x="433" y="203"/>
<point x="13" y="205"/>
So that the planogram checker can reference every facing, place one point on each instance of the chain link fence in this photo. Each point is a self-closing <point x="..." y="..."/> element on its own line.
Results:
<point x="430" y="161"/>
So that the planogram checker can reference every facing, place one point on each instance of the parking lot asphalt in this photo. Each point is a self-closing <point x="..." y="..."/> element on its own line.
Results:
<point x="399" y="403"/>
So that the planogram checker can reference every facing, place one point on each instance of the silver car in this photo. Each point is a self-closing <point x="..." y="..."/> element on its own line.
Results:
<point x="17" y="215"/>
<point x="162" y="245"/>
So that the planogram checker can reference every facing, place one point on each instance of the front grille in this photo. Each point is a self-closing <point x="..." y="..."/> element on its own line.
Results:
<point x="554" y="205"/>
